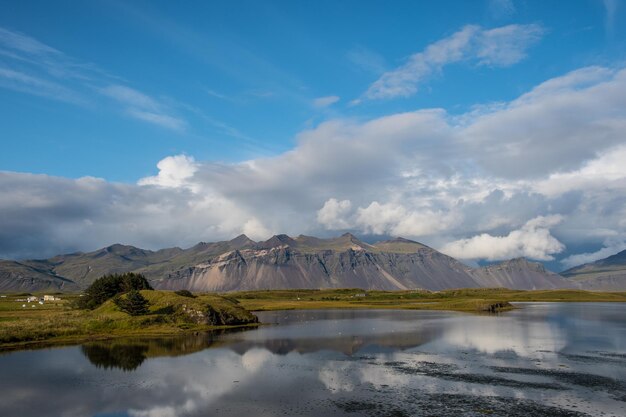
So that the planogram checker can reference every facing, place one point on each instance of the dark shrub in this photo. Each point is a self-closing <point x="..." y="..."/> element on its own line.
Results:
<point x="184" y="293"/>
<point x="132" y="303"/>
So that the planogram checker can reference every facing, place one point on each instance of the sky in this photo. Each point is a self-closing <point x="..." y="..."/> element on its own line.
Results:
<point x="487" y="129"/>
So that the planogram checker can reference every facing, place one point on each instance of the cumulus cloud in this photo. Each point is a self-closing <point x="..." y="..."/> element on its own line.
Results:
<point x="533" y="240"/>
<point x="473" y="182"/>
<point x="332" y="214"/>
<point x="174" y="171"/>
<point x="501" y="46"/>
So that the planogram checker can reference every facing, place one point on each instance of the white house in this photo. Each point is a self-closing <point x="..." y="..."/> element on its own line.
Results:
<point x="31" y="299"/>
<point x="50" y="298"/>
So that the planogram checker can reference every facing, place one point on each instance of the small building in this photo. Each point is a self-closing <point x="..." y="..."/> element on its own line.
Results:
<point x="50" y="298"/>
<point x="31" y="299"/>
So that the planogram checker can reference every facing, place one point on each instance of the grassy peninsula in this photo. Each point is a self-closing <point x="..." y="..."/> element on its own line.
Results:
<point x="62" y="322"/>
<point x="169" y="313"/>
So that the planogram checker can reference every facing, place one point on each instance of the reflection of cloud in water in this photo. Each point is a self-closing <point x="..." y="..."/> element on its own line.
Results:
<point x="337" y="376"/>
<point x="496" y="334"/>
<point x="255" y="358"/>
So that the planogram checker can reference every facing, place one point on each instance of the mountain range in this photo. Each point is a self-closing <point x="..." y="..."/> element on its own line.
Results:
<point x="283" y="262"/>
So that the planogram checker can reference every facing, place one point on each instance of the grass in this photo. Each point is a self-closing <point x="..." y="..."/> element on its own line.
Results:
<point x="58" y="322"/>
<point x="470" y="300"/>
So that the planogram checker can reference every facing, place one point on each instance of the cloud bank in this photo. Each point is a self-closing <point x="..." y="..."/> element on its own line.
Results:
<point x="530" y="177"/>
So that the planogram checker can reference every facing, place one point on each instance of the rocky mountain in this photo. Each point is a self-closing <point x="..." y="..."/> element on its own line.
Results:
<point x="608" y="274"/>
<point x="278" y="263"/>
<point x="308" y="262"/>
<point x="520" y="273"/>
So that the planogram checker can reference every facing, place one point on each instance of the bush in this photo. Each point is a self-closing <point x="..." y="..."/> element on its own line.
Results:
<point x="184" y="293"/>
<point x="109" y="286"/>
<point x="132" y="303"/>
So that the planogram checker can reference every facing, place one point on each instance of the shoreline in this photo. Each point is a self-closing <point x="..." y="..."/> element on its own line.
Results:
<point x="59" y="324"/>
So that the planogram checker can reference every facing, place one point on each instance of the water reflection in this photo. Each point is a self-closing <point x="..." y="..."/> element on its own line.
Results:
<point x="129" y="354"/>
<point x="126" y="356"/>
<point x="546" y="359"/>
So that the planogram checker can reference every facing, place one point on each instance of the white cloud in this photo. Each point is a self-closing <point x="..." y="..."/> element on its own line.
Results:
<point x="397" y="220"/>
<point x="174" y="171"/>
<point x="606" y="172"/>
<point x="332" y="214"/>
<point x="501" y="46"/>
<point x="254" y="229"/>
<point x="611" y="248"/>
<point x="143" y="107"/>
<point x="322" y="102"/>
<point x="533" y="240"/>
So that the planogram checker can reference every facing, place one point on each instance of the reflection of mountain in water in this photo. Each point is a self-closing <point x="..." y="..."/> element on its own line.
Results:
<point x="348" y="345"/>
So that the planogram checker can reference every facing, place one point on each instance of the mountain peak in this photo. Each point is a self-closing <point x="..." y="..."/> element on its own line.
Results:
<point x="241" y="240"/>
<point x="520" y="263"/>
<point x="277" y="240"/>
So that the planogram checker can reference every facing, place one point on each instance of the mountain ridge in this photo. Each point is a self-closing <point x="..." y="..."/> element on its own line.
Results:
<point x="281" y="262"/>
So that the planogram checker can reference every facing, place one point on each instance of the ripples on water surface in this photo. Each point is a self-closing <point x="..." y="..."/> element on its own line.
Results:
<point x="543" y="359"/>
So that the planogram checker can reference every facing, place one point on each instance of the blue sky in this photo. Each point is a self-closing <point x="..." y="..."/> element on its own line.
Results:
<point x="222" y="94"/>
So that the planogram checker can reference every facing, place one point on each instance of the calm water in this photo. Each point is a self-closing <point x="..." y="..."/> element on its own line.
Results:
<point x="544" y="359"/>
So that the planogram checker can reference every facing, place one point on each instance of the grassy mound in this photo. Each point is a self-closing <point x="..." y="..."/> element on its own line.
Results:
<point x="168" y="313"/>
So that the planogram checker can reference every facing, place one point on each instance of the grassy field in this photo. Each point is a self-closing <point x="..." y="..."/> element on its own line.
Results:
<point x="59" y="322"/>
<point x="470" y="300"/>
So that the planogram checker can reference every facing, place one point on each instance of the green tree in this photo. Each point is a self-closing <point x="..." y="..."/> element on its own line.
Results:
<point x="133" y="303"/>
<point x="109" y="286"/>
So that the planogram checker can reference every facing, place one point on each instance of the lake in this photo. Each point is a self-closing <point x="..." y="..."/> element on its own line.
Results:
<point x="543" y="359"/>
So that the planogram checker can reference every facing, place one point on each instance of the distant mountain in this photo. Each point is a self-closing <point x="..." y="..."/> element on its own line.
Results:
<point x="280" y="262"/>
<point x="607" y="274"/>
<point x="520" y="273"/>
<point x="18" y="277"/>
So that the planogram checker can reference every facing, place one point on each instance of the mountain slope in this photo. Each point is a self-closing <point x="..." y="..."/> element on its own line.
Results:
<point x="519" y="274"/>
<point x="18" y="277"/>
<point x="348" y="265"/>
<point x="608" y="274"/>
